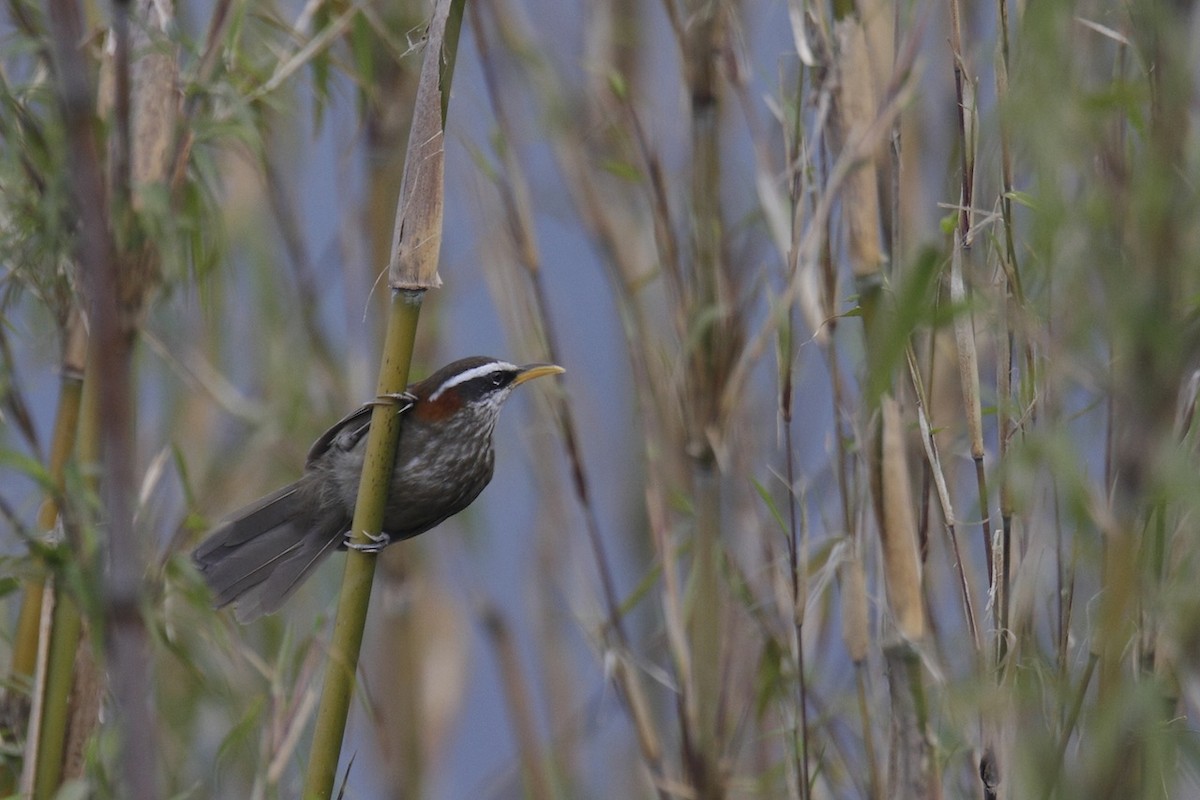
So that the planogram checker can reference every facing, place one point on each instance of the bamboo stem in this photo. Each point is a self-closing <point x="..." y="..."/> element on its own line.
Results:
<point x="705" y="632"/>
<point x="66" y="426"/>
<point x="934" y="461"/>
<point x="913" y="772"/>
<point x="66" y="628"/>
<point x="794" y="566"/>
<point x="412" y="271"/>
<point x="351" y="617"/>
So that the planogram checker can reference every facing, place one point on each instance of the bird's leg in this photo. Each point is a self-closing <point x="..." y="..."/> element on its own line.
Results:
<point x="402" y="400"/>
<point x="375" y="542"/>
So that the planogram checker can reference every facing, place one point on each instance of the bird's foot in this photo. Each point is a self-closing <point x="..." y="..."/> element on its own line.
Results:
<point x="375" y="542"/>
<point x="403" y="401"/>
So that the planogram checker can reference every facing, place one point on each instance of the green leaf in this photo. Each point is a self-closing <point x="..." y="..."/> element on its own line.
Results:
<point x="901" y="311"/>
<point x="949" y="222"/>
<point x="362" y="40"/>
<point x="244" y="732"/>
<point x="30" y="467"/>
<point x="320" y="66"/>
<point x="623" y="170"/>
<point x="1022" y="198"/>
<point x="770" y="503"/>
<point x="618" y="85"/>
<point x="770" y="677"/>
<point x="644" y="585"/>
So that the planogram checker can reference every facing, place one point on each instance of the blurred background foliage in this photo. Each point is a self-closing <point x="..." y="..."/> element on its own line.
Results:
<point x="873" y="472"/>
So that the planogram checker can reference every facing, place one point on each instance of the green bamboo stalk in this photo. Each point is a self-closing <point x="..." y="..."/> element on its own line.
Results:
<point x="401" y="653"/>
<point x="413" y="270"/>
<point x="66" y="624"/>
<point x="360" y="567"/>
<point x="25" y="645"/>
<point x="66" y="425"/>
<point x="66" y="629"/>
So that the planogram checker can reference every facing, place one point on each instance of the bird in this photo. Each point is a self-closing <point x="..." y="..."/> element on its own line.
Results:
<point x="260" y="554"/>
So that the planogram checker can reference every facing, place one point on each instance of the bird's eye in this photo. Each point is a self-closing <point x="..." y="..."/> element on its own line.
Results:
<point x="497" y="380"/>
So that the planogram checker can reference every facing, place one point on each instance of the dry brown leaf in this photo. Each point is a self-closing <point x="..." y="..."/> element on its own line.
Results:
<point x="417" y="240"/>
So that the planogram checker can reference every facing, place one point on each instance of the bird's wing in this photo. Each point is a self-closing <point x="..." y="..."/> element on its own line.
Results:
<point x="347" y="431"/>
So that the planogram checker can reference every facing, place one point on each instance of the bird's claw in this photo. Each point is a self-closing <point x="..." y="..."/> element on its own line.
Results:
<point x="401" y="400"/>
<point x="375" y="542"/>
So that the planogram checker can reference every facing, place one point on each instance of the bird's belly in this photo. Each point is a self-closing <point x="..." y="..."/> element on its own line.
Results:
<point x="428" y="488"/>
<point x="428" y="485"/>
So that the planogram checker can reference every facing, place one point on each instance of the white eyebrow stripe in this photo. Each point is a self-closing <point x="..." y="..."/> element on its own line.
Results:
<point x="471" y="374"/>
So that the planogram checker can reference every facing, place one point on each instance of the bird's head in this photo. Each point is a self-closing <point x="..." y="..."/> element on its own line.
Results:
<point x="475" y="387"/>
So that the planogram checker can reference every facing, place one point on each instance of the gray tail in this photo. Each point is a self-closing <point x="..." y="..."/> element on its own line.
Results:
<point x="261" y="554"/>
